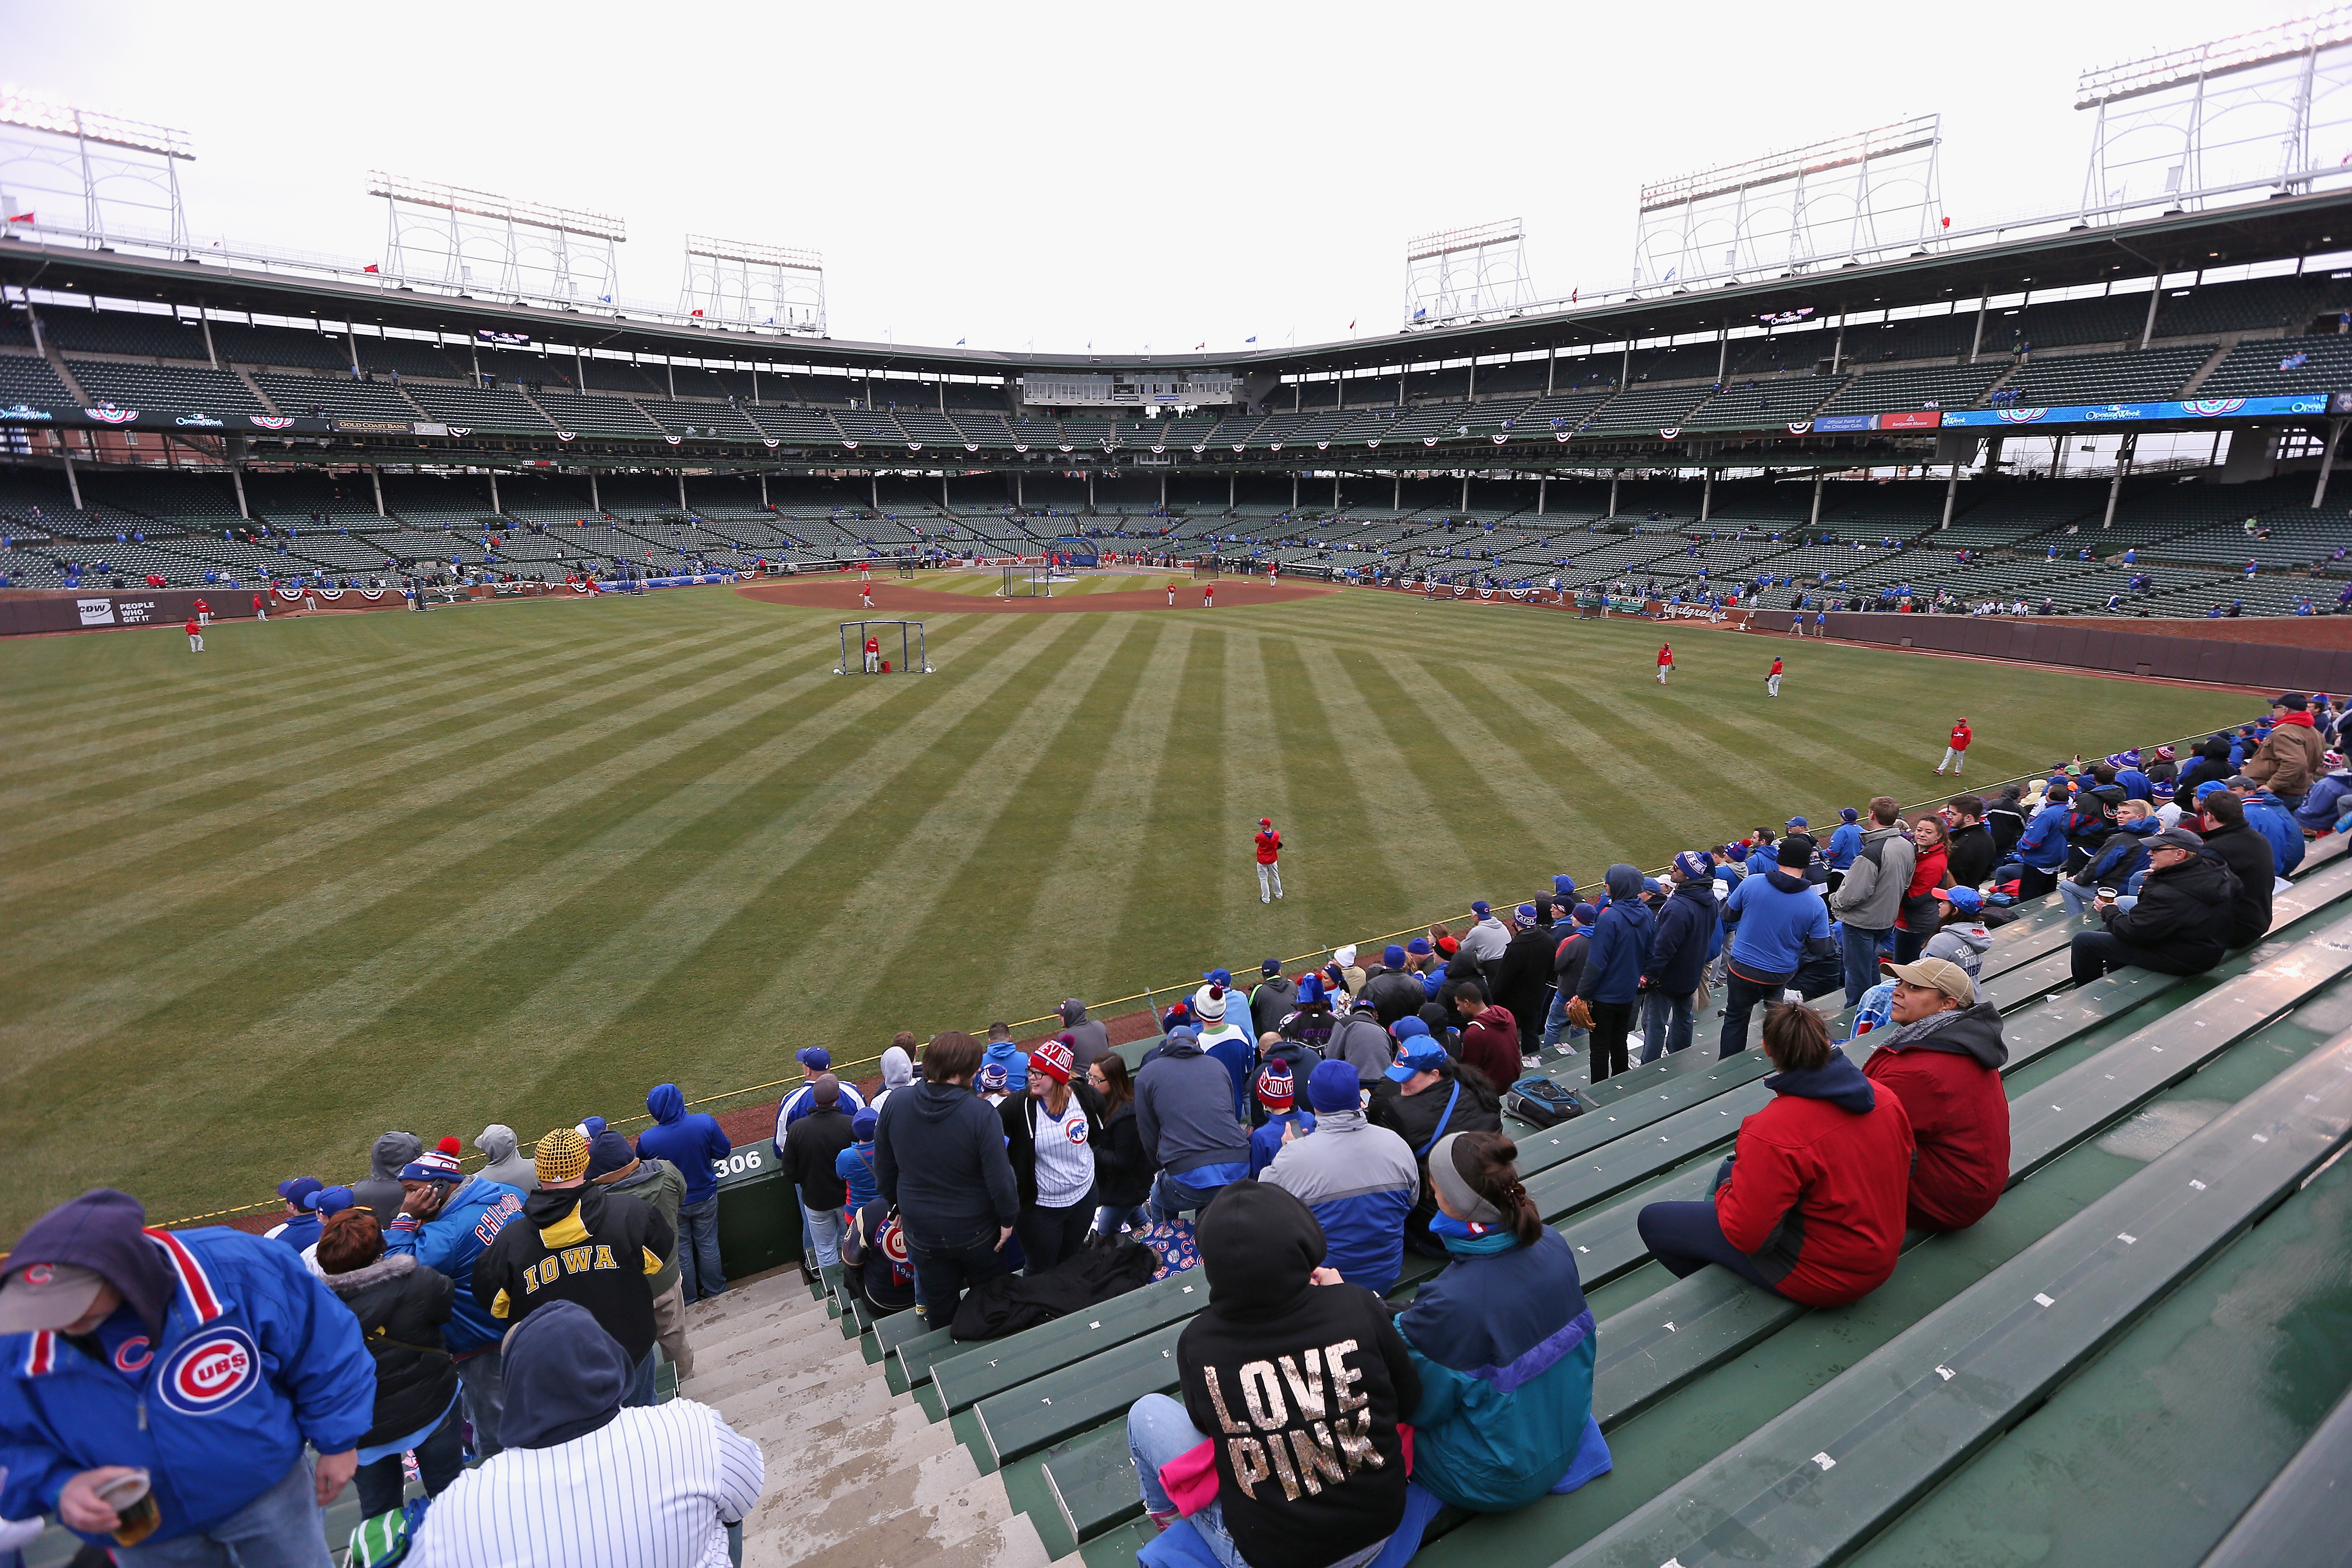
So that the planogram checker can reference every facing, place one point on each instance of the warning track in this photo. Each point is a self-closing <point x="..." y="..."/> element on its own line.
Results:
<point x="829" y="595"/>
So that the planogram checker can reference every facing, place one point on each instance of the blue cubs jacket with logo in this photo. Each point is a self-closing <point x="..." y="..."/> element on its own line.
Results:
<point x="256" y="1356"/>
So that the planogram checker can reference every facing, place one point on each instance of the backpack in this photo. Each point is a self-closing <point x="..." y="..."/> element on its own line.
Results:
<point x="1540" y="1102"/>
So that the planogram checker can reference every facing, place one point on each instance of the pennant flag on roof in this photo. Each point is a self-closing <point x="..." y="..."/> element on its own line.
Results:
<point x="371" y="267"/>
<point x="21" y="217"/>
<point x="1249" y="340"/>
<point x="698" y="313"/>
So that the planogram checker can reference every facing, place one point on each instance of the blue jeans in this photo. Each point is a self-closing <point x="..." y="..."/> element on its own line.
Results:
<point x="946" y="1266"/>
<point x="1665" y="1024"/>
<point x="1112" y="1218"/>
<point x="440" y="1460"/>
<point x="482" y="1385"/>
<point x="821" y="1229"/>
<point x="1860" y="961"/>
<point x="279" y="1529"/>
<point x="1687" y="1237"/>
<point x="1171" y="1197"/>
<point x="1158" y="1431"/>
<point x="1557" y="1027"/>
<point x="698" y="1255"/>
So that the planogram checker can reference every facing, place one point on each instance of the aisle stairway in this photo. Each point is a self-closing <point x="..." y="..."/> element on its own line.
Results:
<point x="856" y="1477"/>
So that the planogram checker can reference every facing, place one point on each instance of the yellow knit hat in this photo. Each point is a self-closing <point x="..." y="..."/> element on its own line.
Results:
<point x="562" y="1155"/>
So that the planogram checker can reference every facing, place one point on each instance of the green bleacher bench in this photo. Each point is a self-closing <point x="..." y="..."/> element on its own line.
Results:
<point x="1679" y="1333"/>
<point x="2300" y="1515"/>
<point x="1824" y="1475"/>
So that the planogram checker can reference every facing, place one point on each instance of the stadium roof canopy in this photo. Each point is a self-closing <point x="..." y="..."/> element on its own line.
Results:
<point x="2283" y="226"/>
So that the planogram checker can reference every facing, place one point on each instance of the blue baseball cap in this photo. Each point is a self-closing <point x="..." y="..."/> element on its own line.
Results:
<point x="815" y="1057"/>
<point x="2211" y="786"/>
<point x="1408" y="1027"/>
<point x="1219" y="977"/>
<point x="329" y="1201"/>
<point x="299" y="1190"/>
<point x="1966" y="900"/>
<point x="1848" y="814"/>
<point x="1795" y="822"/>
<point x="1419" y="1055"/>
<point x="1480" y="908"/>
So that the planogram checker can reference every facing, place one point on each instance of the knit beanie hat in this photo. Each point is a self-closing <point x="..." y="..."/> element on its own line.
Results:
<point x="1311" y="989"/>
<point x="562" y="1156"/>
<point x="993" y="1080"/>
<point x="450" y="1146"/>
<point x="1209" y="1002"/>
<point x="609" y="1155"/>
<point x="1393" y="956"/>
<point x="1333" y="1086"/>
<point x="1796" y="851"/>
<point x="1275" y="1087"/>
<point x="862" y="1125"/>
<point x="1054" y="1059"/>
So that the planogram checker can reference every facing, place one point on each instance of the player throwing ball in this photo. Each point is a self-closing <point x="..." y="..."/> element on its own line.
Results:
<point x="1773" y="680"/>
<point x="1269" y="871"/>
<point x="1665" y="660"/>
<point x="865" y="595"/>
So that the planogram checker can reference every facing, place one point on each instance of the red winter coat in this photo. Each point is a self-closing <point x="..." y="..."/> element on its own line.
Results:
<point x="1820" y="1184"/>
<point x="1949" y="1084"/>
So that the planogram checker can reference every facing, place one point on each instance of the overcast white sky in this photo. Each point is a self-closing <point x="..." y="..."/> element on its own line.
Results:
<point x="1067" y="174"/>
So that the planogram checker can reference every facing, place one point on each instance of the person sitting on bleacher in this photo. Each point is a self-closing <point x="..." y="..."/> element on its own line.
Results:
<point x="1942" y="1058"/>
<point x="1184" y="1111"/>
<point x="2178" y="924"/>
<point x="1361" y="1180"/>
<point x="1424" y="1095"/>
<point x="1211" y="1455"/>
<point x="1812" y="1203"/>
<point x="2251" y="857"/>
<point x="1502" y="1342"/>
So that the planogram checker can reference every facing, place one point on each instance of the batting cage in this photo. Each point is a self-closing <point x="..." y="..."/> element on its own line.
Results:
<point x="883" y="647"/>
<point x="1027" y="582"/>
<point x="906" y="569"/>
<point x="1207" y="567"/>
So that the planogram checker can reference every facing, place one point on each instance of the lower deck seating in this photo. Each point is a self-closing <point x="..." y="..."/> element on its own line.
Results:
<point x="2154" y="1119"/>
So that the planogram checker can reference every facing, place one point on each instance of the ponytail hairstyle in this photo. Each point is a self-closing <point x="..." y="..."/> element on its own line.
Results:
<point x="1489" y="1163"/>
<point x="1796" y="1037"/>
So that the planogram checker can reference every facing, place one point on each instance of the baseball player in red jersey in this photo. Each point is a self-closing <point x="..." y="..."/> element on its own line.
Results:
<point x="1269" y="851"/>
<point x="1171" y="595"/>
<point x="203" y="613"/>
<point x="1209" y="596"/>
<point x="195" y="636"/>
<point x="865" y="572"/>
<point x="1772" y="680"/>
<point x="865" y="595"/>
<point x="873" y="655"/>
<point x="1956" y="752"/>
<point x="260" y="608"/>
<point x="1665" y="660"/>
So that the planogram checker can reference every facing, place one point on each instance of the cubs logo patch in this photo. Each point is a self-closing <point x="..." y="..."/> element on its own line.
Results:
<point x="1077" y="1132"/>
<point x="211" y="1372"/>
<point x="133" y="1354"/>
<point x="40" y="1274"/>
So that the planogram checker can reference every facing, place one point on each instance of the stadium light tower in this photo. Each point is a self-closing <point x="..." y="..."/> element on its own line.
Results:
<point x="1466" y="274"/>
<point x="743" y="285"/>
<point x="2252" y="112"/>
<point x="471" y="240"/>
<point x="1853" y="197"/>
<point x="97" y="177"/>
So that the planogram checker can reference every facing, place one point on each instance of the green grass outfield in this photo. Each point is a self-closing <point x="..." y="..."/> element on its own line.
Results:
<point x="517" y="862"/>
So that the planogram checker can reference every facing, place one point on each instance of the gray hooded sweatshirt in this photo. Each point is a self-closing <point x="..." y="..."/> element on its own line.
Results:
<point x="1184" y="1107"/>
<point x="498" y="1141"/>
<point x="381" y="1192"/>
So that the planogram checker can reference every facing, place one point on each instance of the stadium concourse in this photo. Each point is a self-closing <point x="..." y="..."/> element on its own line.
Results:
<point x="2150" y="1291"/>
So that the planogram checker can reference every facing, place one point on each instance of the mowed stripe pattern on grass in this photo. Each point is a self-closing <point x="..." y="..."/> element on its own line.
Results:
<point x="516" y="863"/>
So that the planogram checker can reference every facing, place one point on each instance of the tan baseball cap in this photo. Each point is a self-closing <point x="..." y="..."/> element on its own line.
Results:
<point x="1938" y="974"/>
<point x="46" y="1296"/>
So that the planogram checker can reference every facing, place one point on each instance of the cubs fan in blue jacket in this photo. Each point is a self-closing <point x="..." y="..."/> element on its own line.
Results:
<point x="204" y="1357"/>
<point x="447" y="1220"/>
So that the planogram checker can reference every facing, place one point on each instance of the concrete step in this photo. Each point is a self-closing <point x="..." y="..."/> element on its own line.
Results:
<point x="785" y="1415"/>
<point x="810" y="1515"/>
<point x="840" y="1453"/>
<point x="973" y="1527"/>
<point x="781" y="1326"/>
<point x="782" y="1364"/>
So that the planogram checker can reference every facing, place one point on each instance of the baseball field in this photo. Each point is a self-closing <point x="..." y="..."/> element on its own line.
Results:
<point x="517" y="862"/>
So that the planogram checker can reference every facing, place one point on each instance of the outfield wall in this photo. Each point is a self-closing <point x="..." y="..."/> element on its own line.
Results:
<point x="2293" y="653"/>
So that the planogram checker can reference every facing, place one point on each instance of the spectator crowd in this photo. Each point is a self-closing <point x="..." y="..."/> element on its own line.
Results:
<point x="1295" y="1136"/>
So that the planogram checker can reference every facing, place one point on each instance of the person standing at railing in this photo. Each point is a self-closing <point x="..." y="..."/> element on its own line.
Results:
<point x="695" y="1143"/>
